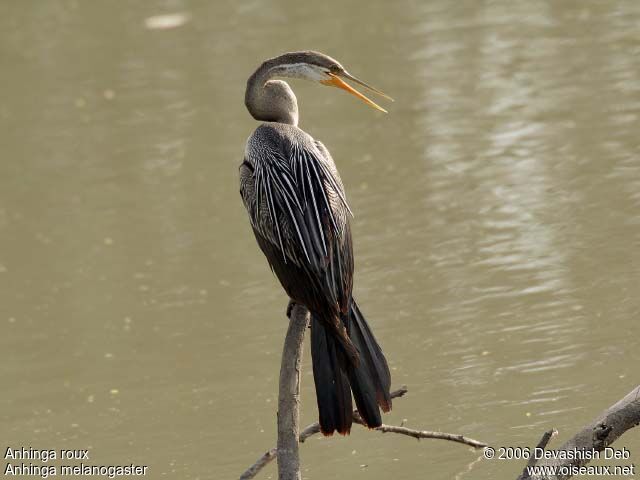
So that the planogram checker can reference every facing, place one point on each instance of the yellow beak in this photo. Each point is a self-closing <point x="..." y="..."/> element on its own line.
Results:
<point x="336" y="81"/>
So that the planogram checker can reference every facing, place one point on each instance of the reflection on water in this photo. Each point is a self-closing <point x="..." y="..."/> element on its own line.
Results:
<point x="496" y="233"/>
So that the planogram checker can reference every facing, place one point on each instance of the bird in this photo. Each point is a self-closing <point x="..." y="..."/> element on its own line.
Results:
<point x="300" y="217"/>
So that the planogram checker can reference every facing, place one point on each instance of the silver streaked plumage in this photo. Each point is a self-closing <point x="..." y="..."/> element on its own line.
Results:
<point x="293" y="182"/>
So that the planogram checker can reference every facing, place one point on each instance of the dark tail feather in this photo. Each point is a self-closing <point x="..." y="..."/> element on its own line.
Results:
<point x="335" y="375"/>
<point x="371" y="380"/>
<point x="332" y="384"/>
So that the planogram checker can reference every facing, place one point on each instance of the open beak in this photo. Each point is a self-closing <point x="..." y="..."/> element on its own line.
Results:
<point x="336" y="81"/>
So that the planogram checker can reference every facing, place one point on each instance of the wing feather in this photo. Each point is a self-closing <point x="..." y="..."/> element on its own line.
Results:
<point x="295" y="195"/>
<point x="297" y="203"/>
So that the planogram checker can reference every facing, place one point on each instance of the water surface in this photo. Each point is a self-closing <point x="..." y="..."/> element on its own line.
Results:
<point x="497" y="226"/>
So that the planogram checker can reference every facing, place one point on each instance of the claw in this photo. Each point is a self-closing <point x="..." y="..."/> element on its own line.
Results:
<point x="290" y="307"/>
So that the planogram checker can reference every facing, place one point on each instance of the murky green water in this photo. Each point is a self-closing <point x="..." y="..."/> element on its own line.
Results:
<point x="497" y="226"/>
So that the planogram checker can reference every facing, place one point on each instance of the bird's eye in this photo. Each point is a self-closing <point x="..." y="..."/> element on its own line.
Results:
<point x="335" y="69"/>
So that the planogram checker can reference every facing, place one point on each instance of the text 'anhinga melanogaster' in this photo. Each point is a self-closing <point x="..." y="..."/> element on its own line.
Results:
<point x="300" y="217"/>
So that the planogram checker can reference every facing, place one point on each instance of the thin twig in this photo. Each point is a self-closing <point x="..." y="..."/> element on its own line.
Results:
<point x="544" y="441"/>
<point x="314" y="428"/>
<point x="253" y="470"/>
<point x="419" y="434"/>
<point x="428" y="434"/>
<point x="546" y="437"/>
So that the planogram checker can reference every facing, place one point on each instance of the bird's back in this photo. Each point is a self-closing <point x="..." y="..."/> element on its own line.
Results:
<point x="296" y="202"/>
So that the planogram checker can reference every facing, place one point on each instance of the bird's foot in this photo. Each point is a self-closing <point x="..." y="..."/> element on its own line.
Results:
<point x="292" y="303"/>
<point x="290" y="306"/>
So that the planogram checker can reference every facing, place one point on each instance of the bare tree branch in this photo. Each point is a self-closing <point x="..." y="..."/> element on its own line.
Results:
<point x="596" y="436"/>
<point x="253" y="470"/>
<point x="289" y="396"/>
<point x="314" y="428"/>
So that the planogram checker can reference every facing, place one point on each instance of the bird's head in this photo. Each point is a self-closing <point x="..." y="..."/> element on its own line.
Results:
<point x="321" y="68"/>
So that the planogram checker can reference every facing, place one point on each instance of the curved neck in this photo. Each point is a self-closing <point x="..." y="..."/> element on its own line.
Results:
<point x="271" y="100"/>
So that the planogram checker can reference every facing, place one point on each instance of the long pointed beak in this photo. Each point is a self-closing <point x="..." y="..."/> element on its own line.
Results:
<point x="348" y="76"/>
<point x="336" y="81"/>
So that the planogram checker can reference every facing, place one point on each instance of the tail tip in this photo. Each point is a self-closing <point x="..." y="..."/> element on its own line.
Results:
<point x="328" y="432"/>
